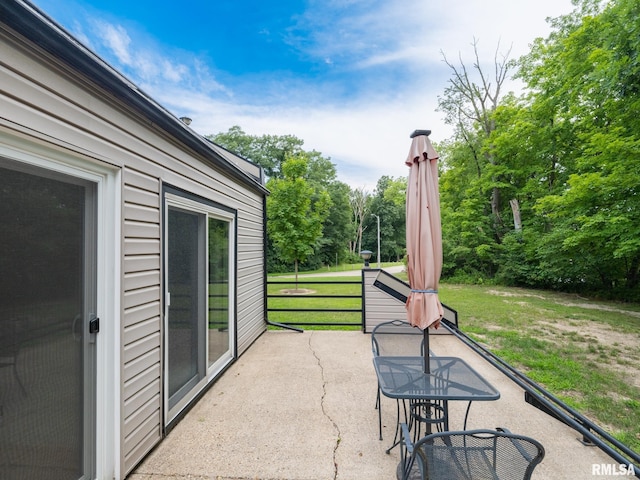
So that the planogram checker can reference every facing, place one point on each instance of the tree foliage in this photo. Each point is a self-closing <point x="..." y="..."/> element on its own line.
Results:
<point x="540" y="189"/>
<point x="271" y="152"/>
<point x="469" y="102"/>
<point x="268" y="151"/>
<point x="337" y="227"/>
<point x="567" y="152"/>
<point x="295" y="211"/>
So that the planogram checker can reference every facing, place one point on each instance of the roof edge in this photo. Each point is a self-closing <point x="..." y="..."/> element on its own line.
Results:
<point x="26" y="19"/>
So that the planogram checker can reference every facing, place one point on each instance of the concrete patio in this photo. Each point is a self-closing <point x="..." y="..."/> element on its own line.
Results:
<point x="301" y="407"/>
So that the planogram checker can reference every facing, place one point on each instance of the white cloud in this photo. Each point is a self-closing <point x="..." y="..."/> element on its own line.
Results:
<point x="492" y="21"/>
<point x="156" y="67"/>
<point x="366" y="141"/>
<point x="116" y="39"/>
<point x="367" y="134"/>
<point x="174" y="72"/>
<point x="370" y="137"/>
<point x="363" y="30"/>
<point x="417" y="31"/>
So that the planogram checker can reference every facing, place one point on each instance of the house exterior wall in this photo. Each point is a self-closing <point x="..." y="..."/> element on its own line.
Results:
<point x="141" y="331"/>
<point x="43" y="102"/>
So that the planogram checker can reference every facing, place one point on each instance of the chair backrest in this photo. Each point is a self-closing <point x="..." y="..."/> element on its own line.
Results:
<point x="397" y="338"/>
<point x="478" y="454"/>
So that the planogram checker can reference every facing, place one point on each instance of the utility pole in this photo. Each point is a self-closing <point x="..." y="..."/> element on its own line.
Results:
<point x="378" y="255"/>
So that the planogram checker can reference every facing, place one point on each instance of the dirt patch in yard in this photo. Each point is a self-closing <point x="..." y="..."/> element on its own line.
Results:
<point x="620" y="351"/>
<point x="597" y="342"/>
<point x="598" y="331"/>
<point x="605" y="308"/>
<point x="502" y="293"/>
<point x="297" y="291"/>
<point x="590" y="306"/>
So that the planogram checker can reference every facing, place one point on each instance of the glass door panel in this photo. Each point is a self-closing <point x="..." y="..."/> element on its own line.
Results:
<point x="47" y="295"/>
<point x="185" y="283"/>
<point x="219" y="315"/>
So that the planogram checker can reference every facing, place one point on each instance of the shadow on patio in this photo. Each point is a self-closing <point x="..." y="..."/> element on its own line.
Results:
<point x="301" y="407"/>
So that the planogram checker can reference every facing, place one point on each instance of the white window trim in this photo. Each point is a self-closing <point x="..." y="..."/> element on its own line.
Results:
<point x="107" y="180"/>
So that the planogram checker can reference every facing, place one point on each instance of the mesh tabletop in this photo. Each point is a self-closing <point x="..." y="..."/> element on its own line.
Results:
<point x="451" y="378"/>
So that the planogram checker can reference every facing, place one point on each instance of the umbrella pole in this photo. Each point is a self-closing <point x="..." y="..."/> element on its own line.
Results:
<point x="427" y="366"/>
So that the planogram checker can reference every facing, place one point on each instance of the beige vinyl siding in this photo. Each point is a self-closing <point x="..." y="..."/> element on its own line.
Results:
<point x="141" y="330"/>
<point x="47" y="103"/>
<point x="251" y="279"/>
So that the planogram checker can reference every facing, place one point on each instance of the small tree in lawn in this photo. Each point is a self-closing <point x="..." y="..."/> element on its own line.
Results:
<point x="295" y="211"/>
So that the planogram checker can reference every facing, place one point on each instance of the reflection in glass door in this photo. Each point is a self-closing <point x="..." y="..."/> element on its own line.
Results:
<point x="218" y="333"/>
<point x="47" y="297"/>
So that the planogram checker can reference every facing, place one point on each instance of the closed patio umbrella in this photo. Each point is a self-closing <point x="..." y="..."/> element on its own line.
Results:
<point x="424" y="237"/>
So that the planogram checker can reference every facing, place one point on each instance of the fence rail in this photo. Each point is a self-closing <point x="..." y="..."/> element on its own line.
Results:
<point x="306" y="299"/>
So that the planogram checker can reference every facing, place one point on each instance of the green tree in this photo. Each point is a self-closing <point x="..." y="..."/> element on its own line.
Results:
<point x="469" y="103"/>
<point x="475" y="179"/>
<point x="388" y="202"/>
<point x="337" y="227"/>
<point x="295" y="212"/>
<point x="268" y="151"/>
<point x="586" y="76"/>
<point x="468" y="243"/>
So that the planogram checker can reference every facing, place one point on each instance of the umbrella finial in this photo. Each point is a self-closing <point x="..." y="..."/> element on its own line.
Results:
<point x="420" y="132"/>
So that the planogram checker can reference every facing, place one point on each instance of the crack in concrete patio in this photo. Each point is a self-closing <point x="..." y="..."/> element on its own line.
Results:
<point x="324" y="411"/>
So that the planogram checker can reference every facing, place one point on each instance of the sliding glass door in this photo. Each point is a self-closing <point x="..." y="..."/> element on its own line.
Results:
<point x="199" y="259"/>
<point x="47" y="337"/>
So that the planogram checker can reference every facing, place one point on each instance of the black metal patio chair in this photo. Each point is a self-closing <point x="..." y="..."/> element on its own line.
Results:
<point x="395" y="338"/>
<point x="469" y="455"/>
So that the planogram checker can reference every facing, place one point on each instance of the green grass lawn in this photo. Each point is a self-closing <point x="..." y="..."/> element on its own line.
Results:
<point x="585" y="352"/>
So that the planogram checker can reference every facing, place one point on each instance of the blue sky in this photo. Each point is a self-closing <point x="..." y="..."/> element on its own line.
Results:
<point x="352" y="78"/>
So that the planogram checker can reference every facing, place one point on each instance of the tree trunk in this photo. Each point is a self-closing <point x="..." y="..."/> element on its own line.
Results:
<point x="495" y="211"/>
<point x="633" y="274"/>
<point x="358" y="201"/>
<point x="515" y="208"/>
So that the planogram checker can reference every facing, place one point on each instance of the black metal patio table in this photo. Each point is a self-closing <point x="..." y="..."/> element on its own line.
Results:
<point x="450" y="378"/>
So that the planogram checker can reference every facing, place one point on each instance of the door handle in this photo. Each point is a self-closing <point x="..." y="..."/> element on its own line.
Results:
<point x="94" y="324"/>
<point x="77" y="336"/>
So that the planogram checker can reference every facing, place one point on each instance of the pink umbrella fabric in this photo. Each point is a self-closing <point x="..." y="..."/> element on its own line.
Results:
<point x="424" y="234"/>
